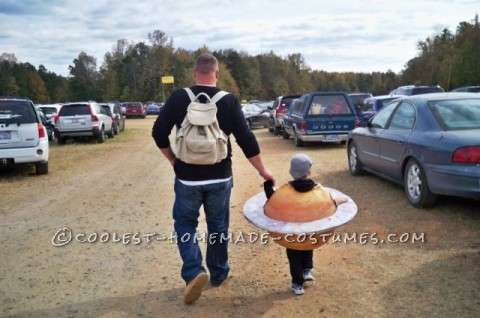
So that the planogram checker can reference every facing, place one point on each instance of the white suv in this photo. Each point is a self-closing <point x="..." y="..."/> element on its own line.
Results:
<point x="83" y="119"/>
<point x="23" y="138"/>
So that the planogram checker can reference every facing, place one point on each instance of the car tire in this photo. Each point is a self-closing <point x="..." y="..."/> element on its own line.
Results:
<point x="101" y="136"/>
<point x="115" y="129"/>
<point x="354" y="164"/>
<point x="111" y="133"/>
<point x="297" y="141"/>
<point x="41" y="168"/>
<point x="276" y="131"/>
<point x="416" y="186"/>
<point x="249" y="125"/>
<point x="285" y="135"/>
<point x="52" y="137"/>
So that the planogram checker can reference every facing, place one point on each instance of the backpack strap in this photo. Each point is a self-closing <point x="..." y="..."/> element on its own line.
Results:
<point x="190" y="94"/>
<point x="218" y="96"/>
<point x="214" y="99"/>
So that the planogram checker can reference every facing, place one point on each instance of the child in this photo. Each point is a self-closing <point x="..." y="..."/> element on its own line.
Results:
<point x="300" y="261"/>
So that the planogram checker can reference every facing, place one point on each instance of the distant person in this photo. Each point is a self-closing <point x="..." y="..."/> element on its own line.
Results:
<point x="207" y="185"/>
<point x="300" y="261"/>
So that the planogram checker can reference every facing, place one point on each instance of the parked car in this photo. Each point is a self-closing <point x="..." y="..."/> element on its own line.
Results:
<point x="428" y="143"/>
<point x="471" y="89"/>
<point x="358" y="100"/>
<point x="255" y="116"/>
<point x="23" y="137"/>
<point x="83" y="119"/>
<point x="280" y="106"/>
<point x="416" y="90"/>
<point x="319" y="117"/>
<point x="153" y="109"/>
<point x="49" y="109"/>
<point x="372" y="105"/>
<point x="115" y="111"/>
<point x="48" y="124"/>
<point x="135" y="109"/>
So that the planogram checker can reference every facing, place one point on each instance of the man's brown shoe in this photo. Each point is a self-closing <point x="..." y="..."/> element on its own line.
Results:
<point x="194" y="288"/>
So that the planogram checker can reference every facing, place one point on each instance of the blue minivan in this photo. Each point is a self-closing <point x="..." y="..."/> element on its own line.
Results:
<point x="320" y="117"/>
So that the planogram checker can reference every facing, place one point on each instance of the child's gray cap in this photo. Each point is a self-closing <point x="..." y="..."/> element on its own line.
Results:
<point x="300" y="165"/>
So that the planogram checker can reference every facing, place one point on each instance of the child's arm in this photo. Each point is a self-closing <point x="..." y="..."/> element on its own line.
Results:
<point x="268" y="188"/>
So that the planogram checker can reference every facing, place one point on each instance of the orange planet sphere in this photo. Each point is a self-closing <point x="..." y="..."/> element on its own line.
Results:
<point x="288" y="205"/>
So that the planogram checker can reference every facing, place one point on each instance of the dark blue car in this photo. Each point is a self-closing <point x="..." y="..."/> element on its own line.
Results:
<point x="428" y="143"/>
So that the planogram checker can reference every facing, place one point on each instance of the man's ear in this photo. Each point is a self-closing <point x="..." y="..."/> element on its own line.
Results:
<point x="216" y="74"/>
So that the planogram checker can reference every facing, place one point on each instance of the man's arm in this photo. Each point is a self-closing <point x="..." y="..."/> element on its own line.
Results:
<point x="169" y="154"/>
<point x="256" y="162"/>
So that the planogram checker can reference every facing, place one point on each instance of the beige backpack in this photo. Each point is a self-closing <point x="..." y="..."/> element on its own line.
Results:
<point x="199" y="139"/>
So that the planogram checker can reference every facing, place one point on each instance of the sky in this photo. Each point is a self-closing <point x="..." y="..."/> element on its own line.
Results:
<point x="333" y="36"/>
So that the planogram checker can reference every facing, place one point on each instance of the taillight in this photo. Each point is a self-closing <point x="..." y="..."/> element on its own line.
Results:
<point x="467" y="155"/>
<point x="41" y="131"/>
<point x="356" y="123"/>
<point x="55" y="119"/>
<point x="94" y="117"/>
<point x="279" y="111"/>
<point x="303" y="126"/>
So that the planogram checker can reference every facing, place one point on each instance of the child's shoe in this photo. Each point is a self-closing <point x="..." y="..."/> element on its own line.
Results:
<point x="308" y="275"/>
<point x="297" y="289"/>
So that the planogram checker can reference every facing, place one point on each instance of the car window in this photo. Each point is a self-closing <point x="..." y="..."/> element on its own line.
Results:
<point x="457" y="114"/>
<point x="17" y="112"/>
<point x="329" y="105"/>
<point x="107" y="110"/>
<point x="76" y="109"/>
<point x="403" y="117"/>
<point x="48" y="110"/>
<point x="381" y="118"/>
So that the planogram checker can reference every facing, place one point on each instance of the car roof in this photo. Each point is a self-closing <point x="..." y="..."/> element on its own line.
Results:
<point x="441" y="96"/>
<point x="384" y="97"/>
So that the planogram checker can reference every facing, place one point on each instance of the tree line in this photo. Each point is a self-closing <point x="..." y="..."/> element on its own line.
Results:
<point x="134" y="71"/>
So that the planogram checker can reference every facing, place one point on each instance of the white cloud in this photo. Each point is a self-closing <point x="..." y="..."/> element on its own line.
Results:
<point x="359" y="36"/>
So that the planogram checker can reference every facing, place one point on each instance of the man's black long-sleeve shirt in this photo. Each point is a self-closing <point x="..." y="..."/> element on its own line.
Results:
<point x="230" y="119"/>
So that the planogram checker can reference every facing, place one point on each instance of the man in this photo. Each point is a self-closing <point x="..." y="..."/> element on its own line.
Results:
<point x="207" y="185"/>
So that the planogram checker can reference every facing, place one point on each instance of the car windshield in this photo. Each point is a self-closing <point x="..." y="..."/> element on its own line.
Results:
<point x="457" y="114"/>
<point x="17" y="112"/>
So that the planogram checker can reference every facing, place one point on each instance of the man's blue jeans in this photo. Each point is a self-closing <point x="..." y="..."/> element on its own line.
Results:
<point x="215" y="199"/>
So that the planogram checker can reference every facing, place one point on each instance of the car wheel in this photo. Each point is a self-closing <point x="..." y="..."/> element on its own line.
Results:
<point x="115" y="129"/>
<point x="285" y="135"/>
<point x="416" y="186"/>
<point x="276" y="131"/>
<point x="41" y="168"/>
<point x="354" y="164"/>
<point x="297" y="141"/>
<point x="249" y="125"/>
<point x="52" y="136"/>
<point x="101" y="136"/>
<point x="111" y="133"/>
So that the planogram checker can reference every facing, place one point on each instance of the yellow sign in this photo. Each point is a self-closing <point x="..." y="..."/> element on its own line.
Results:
<point x="167" y="79"/>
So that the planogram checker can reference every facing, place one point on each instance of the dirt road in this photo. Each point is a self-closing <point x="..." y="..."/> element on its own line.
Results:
<point x="114" y="200"/>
